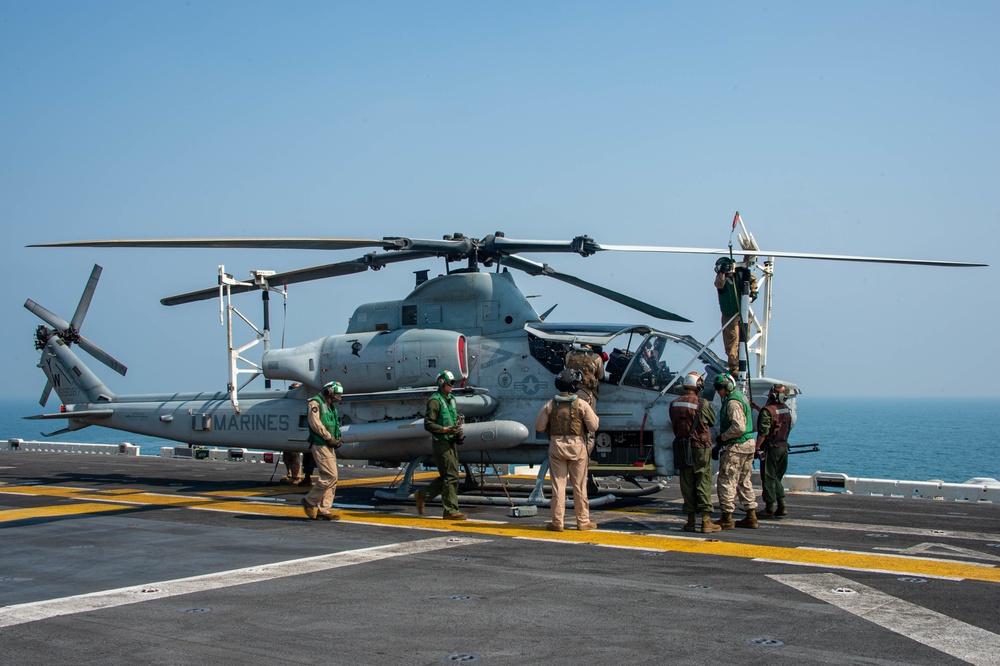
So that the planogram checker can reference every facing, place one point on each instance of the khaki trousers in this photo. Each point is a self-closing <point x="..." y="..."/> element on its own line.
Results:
<point x="292" y="465"/>
<point x="731" y="341"/>
<point x="568" y="457"/>
<point x="321" y="495"/>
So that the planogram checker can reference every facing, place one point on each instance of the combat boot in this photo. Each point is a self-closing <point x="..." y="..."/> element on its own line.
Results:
<point x="306" y="481"/>
<point x="726" y="521"/>
<point x="311" y="511"/>
<point x="707" y="526"/>
<point x="782" y="511"/>
<point x="768" y="511"/>
<point x="750" y="522"/>
<point x="689" y="526"/>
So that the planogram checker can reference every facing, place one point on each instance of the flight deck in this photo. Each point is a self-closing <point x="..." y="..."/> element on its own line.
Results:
<point x="134" y="559"/>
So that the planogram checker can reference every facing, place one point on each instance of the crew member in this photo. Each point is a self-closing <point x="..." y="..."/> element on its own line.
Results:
<point x="737" y="455"/>
<point x="308" y="467"/>
<point x="591" y="367"/>
<point x="773" y="425"/>
<point x="293" y="468"/>
<point x="441" y="420"/>
<point x="324" y="439"/>
<point x="727" y="283"/>
<point x="567" y="419"/>
<point x="692" y="418"/>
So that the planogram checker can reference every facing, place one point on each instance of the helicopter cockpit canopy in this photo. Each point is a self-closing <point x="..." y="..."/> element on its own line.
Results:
<point x="638" y="356"/>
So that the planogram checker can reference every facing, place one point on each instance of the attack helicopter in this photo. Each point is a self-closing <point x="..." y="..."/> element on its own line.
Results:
<point x="472" y="320"/>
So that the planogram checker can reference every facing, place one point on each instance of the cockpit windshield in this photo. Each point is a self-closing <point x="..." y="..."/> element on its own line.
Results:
<point x="637" y="356"/>
<point x="655" y="361"/>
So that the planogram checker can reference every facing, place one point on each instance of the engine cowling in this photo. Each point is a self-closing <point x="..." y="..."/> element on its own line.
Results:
<point x="375" y="361"/>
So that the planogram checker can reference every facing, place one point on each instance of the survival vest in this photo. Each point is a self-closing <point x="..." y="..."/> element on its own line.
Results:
<point x="685" y="419"/>
<point x="447" y="415"/>
<point x="781" y="425"/>
<point x="725" y="423"/>
<point x="589" y="365"/>
<point x="566" y="417"/>
<point x="729" y="296"/>
<point x="330" y="419"/>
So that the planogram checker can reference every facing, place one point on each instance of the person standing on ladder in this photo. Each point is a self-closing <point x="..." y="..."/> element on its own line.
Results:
<point x="591" y="366"/>
<point x="728" y="283"/>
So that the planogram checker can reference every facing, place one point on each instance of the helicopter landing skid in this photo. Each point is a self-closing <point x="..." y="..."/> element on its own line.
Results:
<point x="405" y="488"/>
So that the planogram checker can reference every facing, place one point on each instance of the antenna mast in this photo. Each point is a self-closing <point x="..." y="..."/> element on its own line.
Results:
<point x="226" y="310"/>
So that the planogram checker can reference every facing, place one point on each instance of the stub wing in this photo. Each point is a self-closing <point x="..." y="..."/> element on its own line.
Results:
<point x="79" y="414"/>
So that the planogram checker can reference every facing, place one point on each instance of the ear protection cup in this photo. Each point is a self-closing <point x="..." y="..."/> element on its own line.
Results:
<point x="724" y="380"/>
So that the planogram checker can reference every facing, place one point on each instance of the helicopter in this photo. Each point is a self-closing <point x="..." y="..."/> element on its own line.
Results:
<point x="473" y="320"/>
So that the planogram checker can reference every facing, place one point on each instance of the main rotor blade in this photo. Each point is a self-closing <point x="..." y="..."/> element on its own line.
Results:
<point x="249" y="243"/>
<point x="88" y="294"/>
<point x="359" y="265"/>
<point x="102" y="356"/>
<point x="534" y="268"/>
<point x="46" y="315"/>
<point x="791" y="255"/>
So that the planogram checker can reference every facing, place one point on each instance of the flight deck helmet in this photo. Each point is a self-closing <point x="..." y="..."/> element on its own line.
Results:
<point x="694" y="380"/>
<point x="446" y="377"/>
<point x="333" y="390"/>
<point x="568" y="381"/>
<point x="724" y="380"/>
<point x="778" y="394"/>
<point x="724" y="265"/>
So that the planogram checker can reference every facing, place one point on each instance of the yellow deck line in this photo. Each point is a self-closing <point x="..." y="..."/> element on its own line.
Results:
<point x="721" y="547"/>
<point x="283" y="489"/>
<point x="60" y="510"/>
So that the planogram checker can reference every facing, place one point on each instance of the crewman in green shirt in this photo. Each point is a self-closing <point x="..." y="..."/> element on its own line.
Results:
<point x="736" y="459"/>
<point x="324" y="438"/>
<point x="441" y="420"/>
<point x="727" y="282"/>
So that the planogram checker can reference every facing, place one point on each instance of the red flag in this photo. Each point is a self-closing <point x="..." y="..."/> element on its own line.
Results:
<point x="736" y="218"/>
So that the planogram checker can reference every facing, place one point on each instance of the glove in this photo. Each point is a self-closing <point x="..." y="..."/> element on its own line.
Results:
<point x="716" y="450"/>
<point x="336" y="443"/>
<point x="759" y="454"/>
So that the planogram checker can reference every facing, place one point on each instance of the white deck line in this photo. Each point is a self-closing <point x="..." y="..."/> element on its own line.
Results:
<point x="954" y="637"/>
<point x="42" y="610"/>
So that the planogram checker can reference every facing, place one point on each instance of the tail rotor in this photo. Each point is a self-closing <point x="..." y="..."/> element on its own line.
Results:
<point x="69" y="332"/>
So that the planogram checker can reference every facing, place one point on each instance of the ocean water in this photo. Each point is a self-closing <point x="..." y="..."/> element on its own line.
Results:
<point x="913" y="439"/>
<point x="945" y="439"/>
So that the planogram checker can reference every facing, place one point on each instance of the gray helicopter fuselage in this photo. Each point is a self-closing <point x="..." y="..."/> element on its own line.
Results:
<point x="478" y="325"/>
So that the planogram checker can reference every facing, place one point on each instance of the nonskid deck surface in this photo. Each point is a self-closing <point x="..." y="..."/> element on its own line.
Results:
<point x="153" y="560"/>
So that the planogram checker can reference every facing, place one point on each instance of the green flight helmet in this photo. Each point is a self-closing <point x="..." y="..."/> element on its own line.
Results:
<point x="724" y="380"/>
<point x="446" y="377"/>
<point x="332" y="389"/>
<point x="724" y="265"/>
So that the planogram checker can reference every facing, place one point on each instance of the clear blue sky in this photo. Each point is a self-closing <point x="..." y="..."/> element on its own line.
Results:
<point x="850" y="127"/>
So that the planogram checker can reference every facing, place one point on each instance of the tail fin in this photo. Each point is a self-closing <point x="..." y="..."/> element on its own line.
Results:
<point x="66" y="373"/>
<point x="72" y="380"/>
